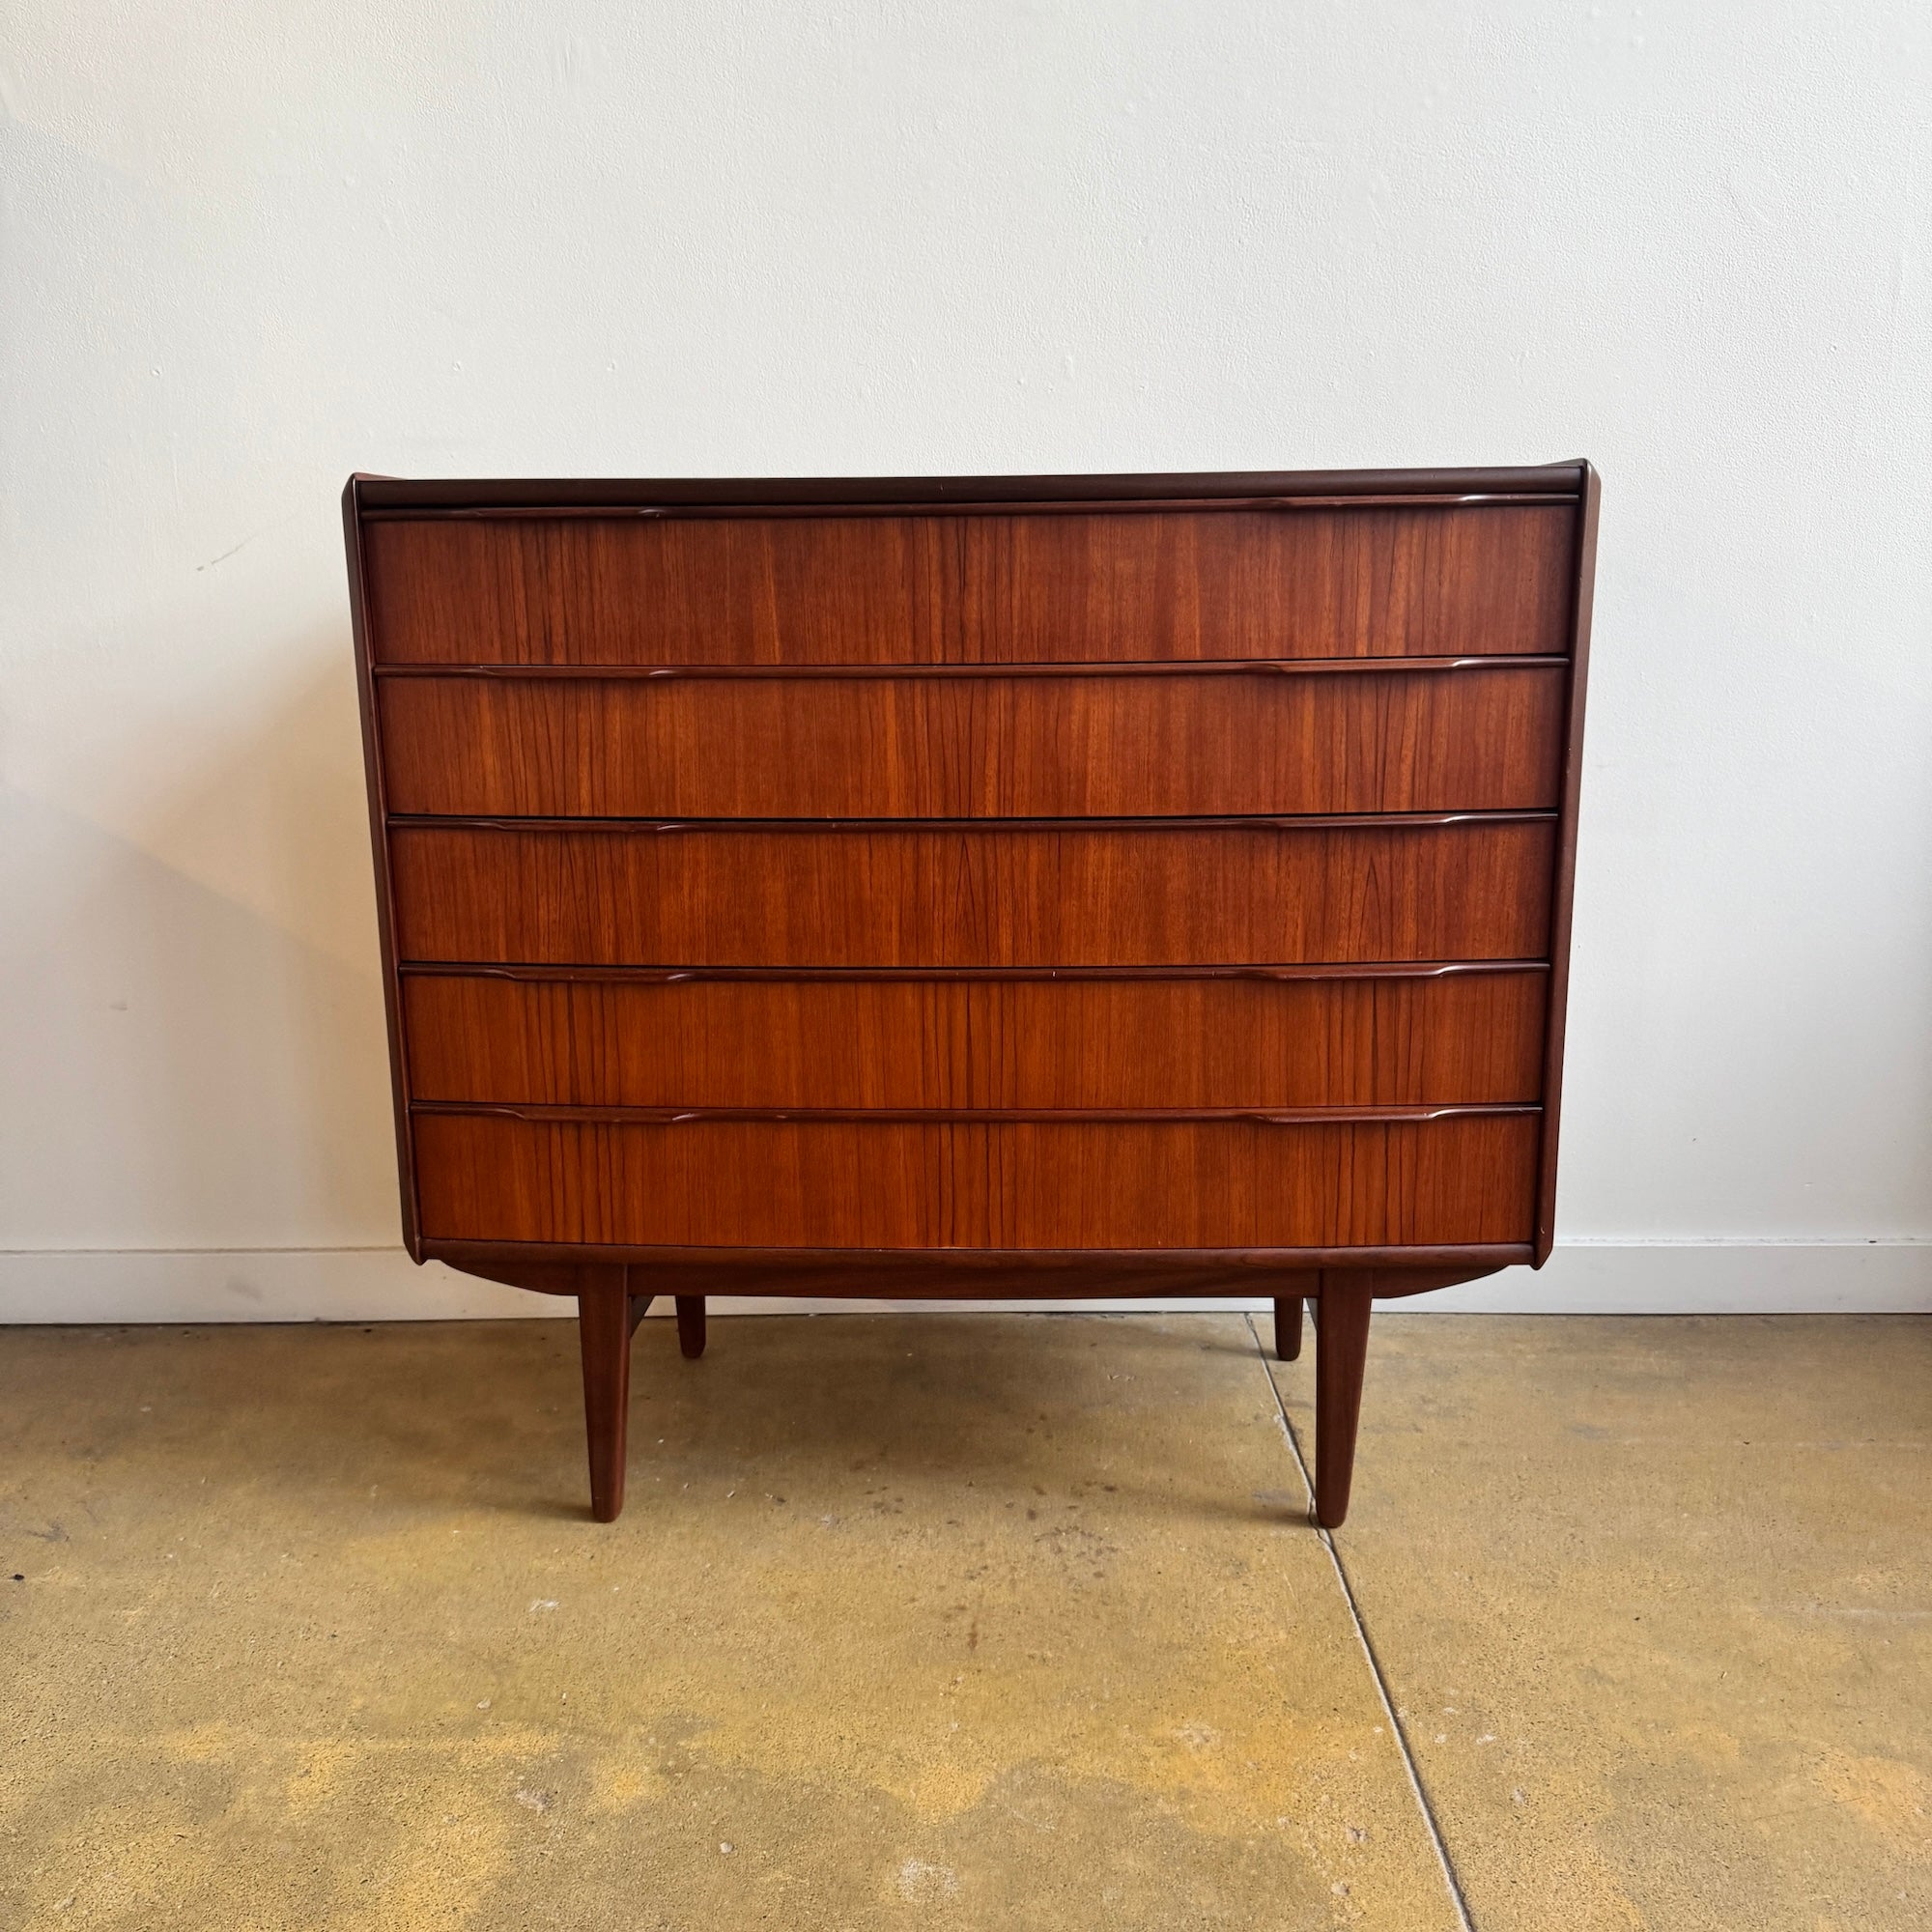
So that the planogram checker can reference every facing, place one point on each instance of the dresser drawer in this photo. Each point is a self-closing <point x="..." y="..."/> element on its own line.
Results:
<point x="989" y="587"/>
<point x="872" y="1184"/>
<point x="921" y="1042"/>
<point x="992" y="894"/>
<point x="952" y="745"/>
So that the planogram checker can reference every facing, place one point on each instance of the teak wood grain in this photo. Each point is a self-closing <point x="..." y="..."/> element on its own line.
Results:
<point x="1079" y="587"/>
<point x="963" y="1042"/>
<point x="695" y="746"/>
<point x="976" y="886"/>
<point x="852" y="1182"/>
<point x="992" y="894"/>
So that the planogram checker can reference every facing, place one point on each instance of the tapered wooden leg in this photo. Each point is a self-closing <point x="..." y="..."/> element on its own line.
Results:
<point x="691" y="1325"/>
<point x="1286" y="1328"/>
<point x="1341" y="1350"/>
<point x="604" y="1334"/>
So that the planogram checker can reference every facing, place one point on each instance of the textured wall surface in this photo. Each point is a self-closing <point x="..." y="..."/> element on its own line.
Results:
<point x="247" y="253"/>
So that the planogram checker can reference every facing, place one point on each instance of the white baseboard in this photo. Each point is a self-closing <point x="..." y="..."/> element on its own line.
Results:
<point x="1734" y="1277"/>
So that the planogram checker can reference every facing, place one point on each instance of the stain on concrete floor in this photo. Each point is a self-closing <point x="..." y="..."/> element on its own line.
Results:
<point x="953" y="1620"/>
<point x="965" y="1620"/>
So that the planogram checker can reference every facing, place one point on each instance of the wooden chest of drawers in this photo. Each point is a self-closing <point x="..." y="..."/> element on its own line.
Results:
<point x="968" y="887"/>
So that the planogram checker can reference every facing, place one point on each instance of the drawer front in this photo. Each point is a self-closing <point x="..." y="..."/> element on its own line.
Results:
<point x="1078" y="587"/>
<point x="951" y="747"/>
<point x="1005" y="1185"/>
<point x="998" y="894"/>
<point x="1001" y="1044"/>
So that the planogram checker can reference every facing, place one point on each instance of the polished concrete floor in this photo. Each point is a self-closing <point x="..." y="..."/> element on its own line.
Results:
<point x="968" y="1620"/>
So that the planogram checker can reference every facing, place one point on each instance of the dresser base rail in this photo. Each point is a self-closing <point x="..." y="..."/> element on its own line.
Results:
<point x="973" y="1274"/>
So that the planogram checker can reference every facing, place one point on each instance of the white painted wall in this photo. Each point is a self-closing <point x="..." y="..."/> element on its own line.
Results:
<point x="250" y="249"/>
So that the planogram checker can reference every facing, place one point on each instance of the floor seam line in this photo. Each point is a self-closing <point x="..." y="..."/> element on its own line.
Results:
<point x="1415" y="1783"/>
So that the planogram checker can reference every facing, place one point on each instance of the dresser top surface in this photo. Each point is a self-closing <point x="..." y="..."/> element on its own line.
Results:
<point x="1557" y="480"/>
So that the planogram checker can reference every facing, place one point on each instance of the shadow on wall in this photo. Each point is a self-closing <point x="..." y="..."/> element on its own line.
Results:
<point x="193" y="1054"/>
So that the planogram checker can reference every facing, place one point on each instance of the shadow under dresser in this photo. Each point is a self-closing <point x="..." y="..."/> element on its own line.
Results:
<point x="1027" y="886"/>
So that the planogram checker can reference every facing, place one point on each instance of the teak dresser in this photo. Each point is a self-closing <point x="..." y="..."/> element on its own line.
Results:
<point x="1018" y="885"/>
